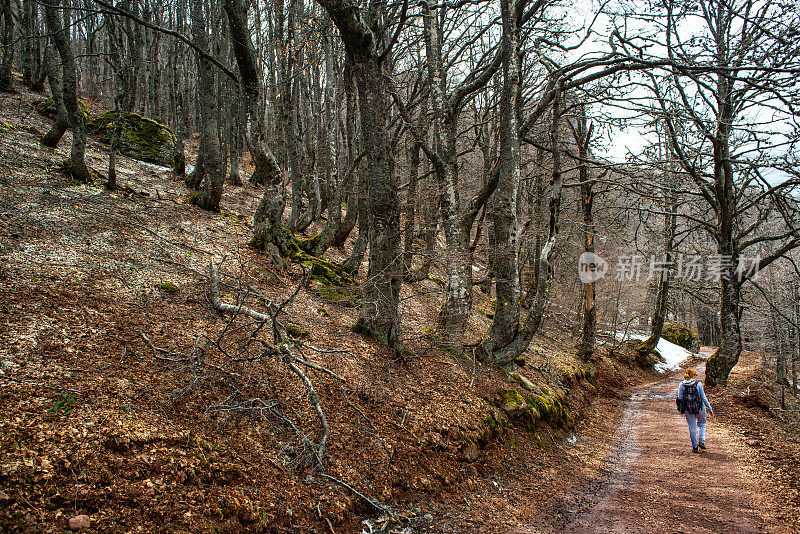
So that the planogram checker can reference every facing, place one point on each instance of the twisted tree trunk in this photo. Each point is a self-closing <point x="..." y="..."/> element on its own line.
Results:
<point x="69" y="77"/>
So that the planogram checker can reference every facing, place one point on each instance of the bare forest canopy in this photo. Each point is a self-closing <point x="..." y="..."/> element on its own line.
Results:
<point x="462" y="142"/>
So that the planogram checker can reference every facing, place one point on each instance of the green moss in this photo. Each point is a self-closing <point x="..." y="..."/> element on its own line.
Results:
<point x="680" y="335"/>
<point x="142" y="138"/>
<point x="47" y="109"/>
<point x="551" y="407"/>
<point x="510" y="399"/>
<point x="230" y="214"/>
<point x="308" y="245"/>
<point x="168" y="287"/>
<point x="347" y="297"/>
<point x="437" y="281"/>
<point x="296" y="331"/>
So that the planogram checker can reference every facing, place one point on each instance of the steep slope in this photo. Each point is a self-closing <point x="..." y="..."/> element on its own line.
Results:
<point x="128" y="399"/>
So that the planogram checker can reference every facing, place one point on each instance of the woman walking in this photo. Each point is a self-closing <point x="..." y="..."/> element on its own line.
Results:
<point x="693" y="398"/>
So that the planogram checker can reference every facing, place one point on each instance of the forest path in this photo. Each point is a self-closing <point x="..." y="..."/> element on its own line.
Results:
<point x="652" y="482"/>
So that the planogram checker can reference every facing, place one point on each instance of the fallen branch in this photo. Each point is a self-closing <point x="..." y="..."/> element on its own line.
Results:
<point x="35" y="384"/>
<point x="184" y="359"/>
<point x="375" y="504"/>
<point x="282" y="348"/>
<point x="170" y="355"/>
<point x="313" y="398"/>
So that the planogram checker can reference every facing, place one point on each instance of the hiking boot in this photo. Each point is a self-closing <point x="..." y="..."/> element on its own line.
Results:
<point x="703" y="445"/>
<point x="694" y="449"/>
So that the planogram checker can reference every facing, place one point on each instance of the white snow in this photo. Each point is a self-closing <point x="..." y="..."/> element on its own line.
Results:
<point x="625" y="335"/>
<point x="673" y="355"/>
<point x="158" y="168"/>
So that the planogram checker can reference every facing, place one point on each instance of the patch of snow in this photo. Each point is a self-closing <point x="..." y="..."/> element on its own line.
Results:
<point x="189" y="169"/>
<point x="625" y="335"/>
<point x="158" y="168"/>
<point x="673" y="355"/>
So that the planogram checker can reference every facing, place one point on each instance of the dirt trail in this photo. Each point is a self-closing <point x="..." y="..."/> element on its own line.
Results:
<point x="652" y="482"/>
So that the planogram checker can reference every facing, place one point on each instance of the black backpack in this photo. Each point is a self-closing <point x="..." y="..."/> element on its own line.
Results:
<point x="681" y="403"/>
<point x="691" y="399"/>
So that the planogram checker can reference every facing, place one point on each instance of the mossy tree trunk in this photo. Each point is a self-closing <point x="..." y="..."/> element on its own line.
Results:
<point x="69" y="77"/>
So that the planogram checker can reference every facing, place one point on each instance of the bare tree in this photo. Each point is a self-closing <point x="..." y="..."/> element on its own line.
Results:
<point x="69" y="88"/>
<point x="710" y="99"/>
<point x="208" y="175"/>
<point x="367" y="43"/>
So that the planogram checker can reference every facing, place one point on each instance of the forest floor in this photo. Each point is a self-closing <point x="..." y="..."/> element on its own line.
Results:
<point x="124" y="397"/>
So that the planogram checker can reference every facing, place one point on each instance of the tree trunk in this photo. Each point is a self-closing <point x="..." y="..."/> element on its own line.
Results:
<point x="336" y="229"/>
<point x="379" y="315"/>
<point x="119" y="97"/>
<point x="61" y="124"/>
<point x="719" y="366"/>
<point x="26" y="33"/>
<point x="411" y="205"/>
<point x="503" y="236"/>
<point x="211" y="188"/>
<point x="38" y="70"/>
<point x="662" y="295"/>
<point x="179" y="167"/>
<point x="235" y="141"/>
<point x="503" y="355"/>
<point x="583" y="136"/>
<point x="796" y="339"/>
<point x="69" y="77"/>
<point x="7" y="51"/>
<point x="361" y="212"/>
<point x="267" y="224"/>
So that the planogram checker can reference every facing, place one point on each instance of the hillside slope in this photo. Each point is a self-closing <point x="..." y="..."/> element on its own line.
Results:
<point x="128" y="399"/>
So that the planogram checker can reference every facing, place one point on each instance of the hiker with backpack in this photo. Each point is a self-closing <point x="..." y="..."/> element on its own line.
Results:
<point x="693" y="403"/>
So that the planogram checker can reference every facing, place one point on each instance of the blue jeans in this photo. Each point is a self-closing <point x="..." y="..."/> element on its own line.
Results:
<point x="697" y="421"/>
